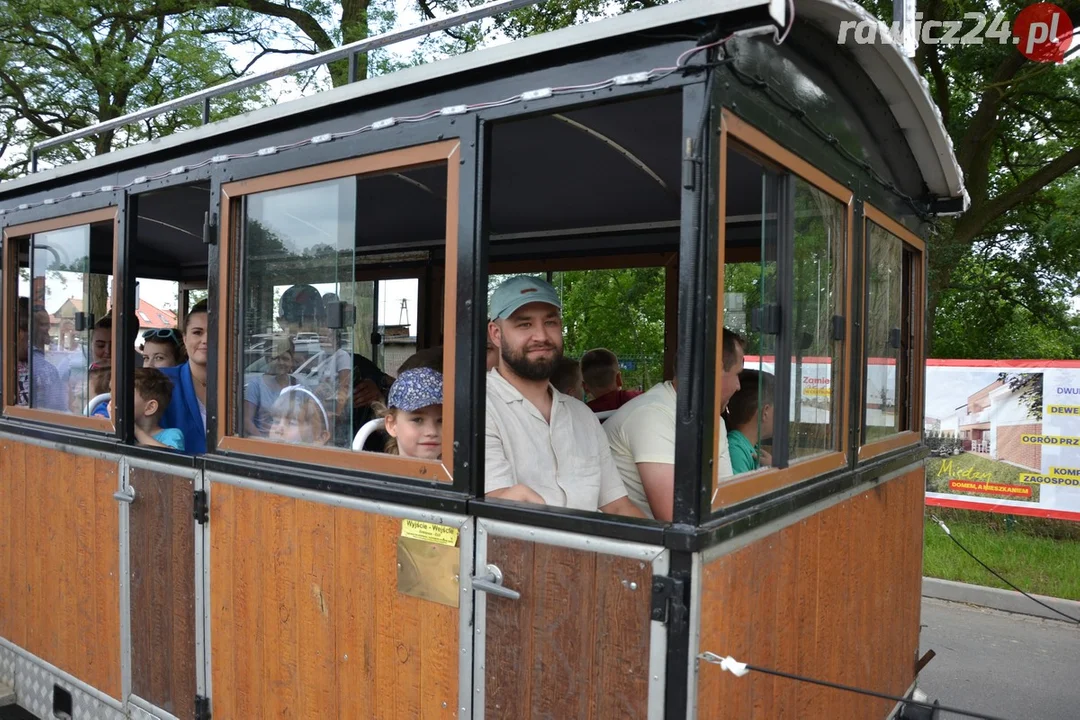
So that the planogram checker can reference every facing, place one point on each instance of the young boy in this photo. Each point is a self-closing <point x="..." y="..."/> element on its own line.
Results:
<point x="750" y="420"/>
<point x="152" y="394"/>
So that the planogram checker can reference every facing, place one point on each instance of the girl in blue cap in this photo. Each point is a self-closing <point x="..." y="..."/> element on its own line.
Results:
<point x="413" y="417"/>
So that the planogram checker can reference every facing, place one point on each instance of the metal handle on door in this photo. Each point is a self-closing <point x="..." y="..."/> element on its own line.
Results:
<point x="491" y="583"/>
<point x="126" y="495"/>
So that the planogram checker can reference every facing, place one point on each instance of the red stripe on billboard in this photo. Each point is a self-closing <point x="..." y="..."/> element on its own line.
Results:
<point x="1033" y="511"/>
<point x="940" y="362"/>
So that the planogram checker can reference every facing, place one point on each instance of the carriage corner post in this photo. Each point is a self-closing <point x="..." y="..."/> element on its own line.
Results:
<point x="674" y="144"/>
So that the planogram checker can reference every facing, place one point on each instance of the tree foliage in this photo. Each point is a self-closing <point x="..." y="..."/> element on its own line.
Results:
<point x="1000" y="276"/>
<point x="1007" y="267"/>
<point x="622" y="310"/>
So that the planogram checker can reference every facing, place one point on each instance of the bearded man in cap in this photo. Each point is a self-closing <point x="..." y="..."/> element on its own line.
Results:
<point x="542" y="446"/>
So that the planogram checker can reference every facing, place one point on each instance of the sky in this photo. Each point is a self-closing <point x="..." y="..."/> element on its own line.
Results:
<point x="950" y="388"/>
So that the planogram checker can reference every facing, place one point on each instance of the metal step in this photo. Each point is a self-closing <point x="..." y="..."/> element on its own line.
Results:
<point x="7" y="695"/>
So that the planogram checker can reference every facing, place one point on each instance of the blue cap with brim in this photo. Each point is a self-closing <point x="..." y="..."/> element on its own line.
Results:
<point x="520" y="291"/>
<point x="416" y="389"/>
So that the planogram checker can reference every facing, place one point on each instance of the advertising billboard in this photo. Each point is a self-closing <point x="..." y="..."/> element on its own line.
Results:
<point x="1004" y="436"/>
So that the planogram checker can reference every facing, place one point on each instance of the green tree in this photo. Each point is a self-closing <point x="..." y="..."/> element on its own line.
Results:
<point x="65" y="65"/>
<point x="622" y="310"/>
<point x="1015" y="125"/>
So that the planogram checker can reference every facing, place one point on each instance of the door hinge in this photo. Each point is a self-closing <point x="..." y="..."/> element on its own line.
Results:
<point x="202" y="708"/>
<point x="669" y="600"/>
<point x="209" y="228"/>
<point x="202" y="509"/>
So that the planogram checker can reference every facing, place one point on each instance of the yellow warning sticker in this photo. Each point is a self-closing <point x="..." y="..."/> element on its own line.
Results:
<point x="429" y="532"/>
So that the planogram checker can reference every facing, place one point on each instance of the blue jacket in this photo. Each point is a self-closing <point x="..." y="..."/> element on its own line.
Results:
<point x="183" y="411"/>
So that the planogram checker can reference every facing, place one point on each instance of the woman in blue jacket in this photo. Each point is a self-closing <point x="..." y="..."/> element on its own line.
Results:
<point x="187" y="408"/>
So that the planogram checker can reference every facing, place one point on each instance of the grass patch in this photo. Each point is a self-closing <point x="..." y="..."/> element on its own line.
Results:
<point x="1039" y="556"/>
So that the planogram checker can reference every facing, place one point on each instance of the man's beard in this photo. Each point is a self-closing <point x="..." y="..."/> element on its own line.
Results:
<point x="523" y="367"/>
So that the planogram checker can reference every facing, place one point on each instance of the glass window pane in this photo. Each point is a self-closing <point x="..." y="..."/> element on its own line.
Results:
<point x="746" y="386"/>
<point x="300" y="258"/>
<point x="817" y="298"/>
<point x="883" y="332"/>
<point x="65" y="330"/>
<point x="329" y="307"/>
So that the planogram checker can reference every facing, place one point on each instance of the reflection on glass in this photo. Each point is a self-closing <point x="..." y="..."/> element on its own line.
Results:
<point x="817" y="298"/>
<point x="317" y="330"/>
<point x="883" y="332"/>
<point x="751" y="310"/>
<point x="299" y="260"/>
<point x="64" y="352"/>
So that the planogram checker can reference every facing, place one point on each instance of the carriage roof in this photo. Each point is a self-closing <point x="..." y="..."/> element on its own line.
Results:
<point x="895" y="78"/>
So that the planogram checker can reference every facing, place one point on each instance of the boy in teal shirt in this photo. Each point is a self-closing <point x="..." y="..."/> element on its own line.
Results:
<point x="750" y="420"/>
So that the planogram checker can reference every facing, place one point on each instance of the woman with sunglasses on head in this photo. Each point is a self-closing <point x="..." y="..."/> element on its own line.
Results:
<point x="163" y="348"/>
<point x="187" y="408"/>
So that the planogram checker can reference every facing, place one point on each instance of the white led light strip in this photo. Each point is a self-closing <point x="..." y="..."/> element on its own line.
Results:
<point x="635" y="78"/>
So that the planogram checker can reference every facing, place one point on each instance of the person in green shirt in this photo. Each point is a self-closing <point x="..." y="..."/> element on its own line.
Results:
<point x="750" y="421"/>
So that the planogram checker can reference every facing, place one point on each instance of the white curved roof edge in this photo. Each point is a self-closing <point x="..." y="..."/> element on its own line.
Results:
<point x="894" y="75"/>
<point x="901" y="85"/>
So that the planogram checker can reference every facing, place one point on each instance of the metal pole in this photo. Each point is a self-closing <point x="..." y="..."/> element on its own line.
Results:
<point x="354" y="67"/>
<point x="206" y="111"/>
<point x="33" y="159"/>
<point x="371" y="43"/>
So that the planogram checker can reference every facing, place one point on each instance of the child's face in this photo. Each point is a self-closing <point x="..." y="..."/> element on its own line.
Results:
<point x="287" y="428"/>
<point x="159" y="355"/>
<point x="419" y="434"/>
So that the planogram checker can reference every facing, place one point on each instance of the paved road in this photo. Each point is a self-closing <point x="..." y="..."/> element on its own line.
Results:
<point x="1012" y="666"/>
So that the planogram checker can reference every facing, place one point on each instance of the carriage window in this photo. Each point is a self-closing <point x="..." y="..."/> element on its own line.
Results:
<point x="891" y="331"/>
<point x="785" y="236"/>
<point x="820" y="237"/>
<point x="299" y="259"/>
<point x="64" y="332"/>
<point x="747" y="391"/>
<point x="883" y="333"/>
<point x="319" y="349"/>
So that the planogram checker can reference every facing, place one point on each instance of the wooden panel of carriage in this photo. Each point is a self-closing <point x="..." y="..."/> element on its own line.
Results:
<point x="162" y="590"/>
<point x="305" y="614"/>
<point x="835" y="595"/>
<point x="580" y="641"/>
<point x="59" y="560"/>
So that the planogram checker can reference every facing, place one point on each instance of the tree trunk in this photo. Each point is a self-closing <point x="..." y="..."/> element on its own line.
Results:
<point x="354" y="26"/>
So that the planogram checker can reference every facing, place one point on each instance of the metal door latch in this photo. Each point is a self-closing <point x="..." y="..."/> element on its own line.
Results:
<point x="492" y="583"/>
<point x="126" y="495"/>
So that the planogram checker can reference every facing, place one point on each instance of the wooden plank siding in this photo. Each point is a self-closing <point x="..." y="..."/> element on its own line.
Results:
<point x="576" y="645"/>
<point x="60" y="560"/>
<point x="835" y="596"/>
<point x="162" y="553"/>
<point x="306" y="620"/>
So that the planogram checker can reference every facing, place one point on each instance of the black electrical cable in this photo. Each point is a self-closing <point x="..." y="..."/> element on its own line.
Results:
<point x="715" y="660"/>
<point x="996" y="574"/>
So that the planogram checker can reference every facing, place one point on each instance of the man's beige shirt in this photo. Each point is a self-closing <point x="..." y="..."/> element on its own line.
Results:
<point x="567" y="461"/>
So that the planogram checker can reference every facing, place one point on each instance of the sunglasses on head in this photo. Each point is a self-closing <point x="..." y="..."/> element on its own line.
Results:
<point x="166" y="334"/>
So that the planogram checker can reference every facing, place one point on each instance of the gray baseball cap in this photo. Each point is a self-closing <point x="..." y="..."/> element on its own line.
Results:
<point x="521" y="290"/>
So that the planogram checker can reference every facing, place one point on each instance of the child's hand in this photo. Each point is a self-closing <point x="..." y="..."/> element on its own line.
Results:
<point x="764" y="458"/>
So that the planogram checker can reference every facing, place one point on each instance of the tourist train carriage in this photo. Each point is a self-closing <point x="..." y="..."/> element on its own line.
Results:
<point x="271" y="580"/>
